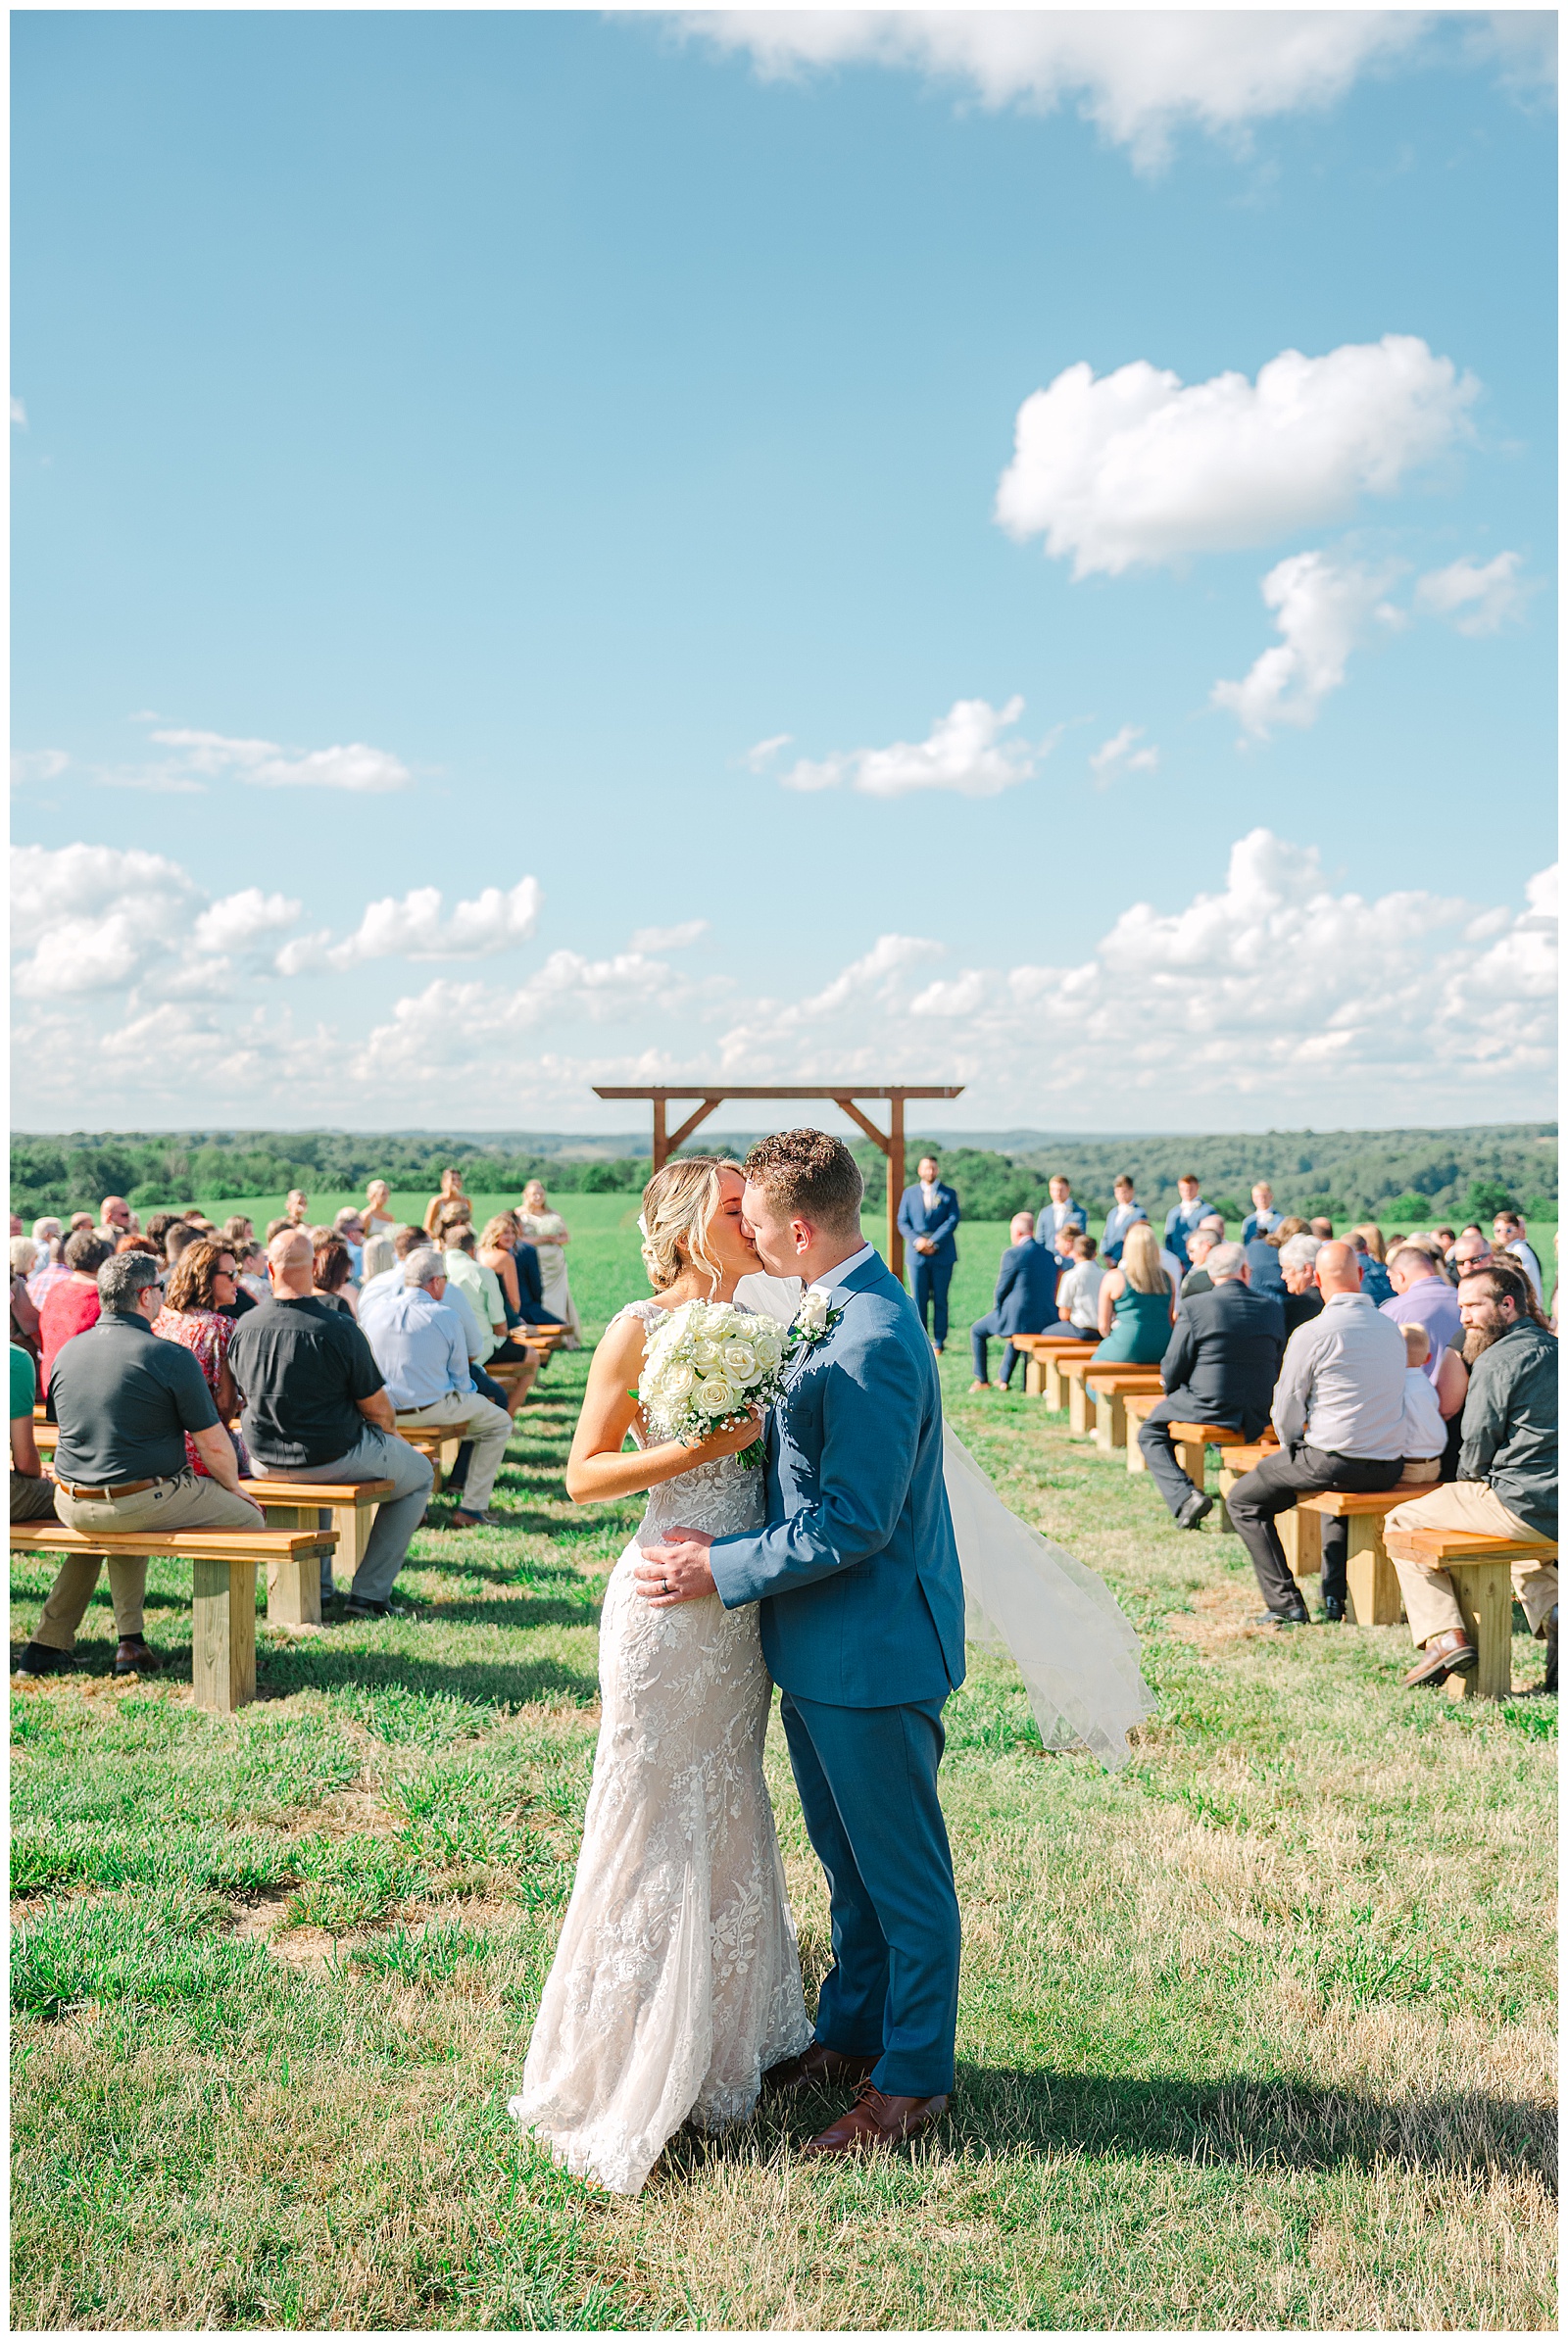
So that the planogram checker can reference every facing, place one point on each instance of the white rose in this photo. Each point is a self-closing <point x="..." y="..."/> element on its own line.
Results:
<point x="714" y="1395"/>
<point x="705" y="1352"/>
<point x="677" y="1380"/>
<point x="811" y="1315"/>
<point x="740" y="1363"/>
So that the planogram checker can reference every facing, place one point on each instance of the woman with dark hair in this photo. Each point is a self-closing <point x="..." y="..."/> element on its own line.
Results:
<point x="74" y="1306"/>
<point x="201" y="1283"/>
<point x="329" y="1274"/>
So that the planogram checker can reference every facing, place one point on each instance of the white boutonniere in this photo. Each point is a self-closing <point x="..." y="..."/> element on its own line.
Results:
<point x="814" y="1320"/>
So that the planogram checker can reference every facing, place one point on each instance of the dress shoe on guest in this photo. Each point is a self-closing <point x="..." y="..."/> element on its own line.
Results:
<point x="875" y="2122"/>
<point x="462" y="1519"/>
<point x="1274" y="1621"/>
<point x="354" y="1611"/>
<point x="136" y="1657"/>
<point x="974" y="1386"/>
<point x="39" y="1659"/>
<point x="1197" y="1508"/>
<point x="821" y="2067"/>
<point x="1450" y="1654"/>
<point x="1333" y="1609"/>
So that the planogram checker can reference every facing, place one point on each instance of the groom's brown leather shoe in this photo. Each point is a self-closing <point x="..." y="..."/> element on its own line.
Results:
<point x="875" y="2121"/>
<point x="820" y="2067"/>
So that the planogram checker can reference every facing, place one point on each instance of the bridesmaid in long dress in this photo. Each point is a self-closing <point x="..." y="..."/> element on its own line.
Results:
<point x="549" y="1235"/>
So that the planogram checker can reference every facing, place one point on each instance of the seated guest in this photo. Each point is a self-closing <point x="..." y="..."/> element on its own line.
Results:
<point x="1339" y="1410"/>
<point x="1426" y="1433"/>
<point x="32" y="1492"/>
<point x="1184" y="1217"/>
<point x="114" y="1219"/>
<point x="380" y="1254"/>
<point x="1322" y="1228"/>
<point x="530" y="1284"/>
<point x="480" y="1287"/>
<point x="1263" y="1264"/>
<point x="1422" y="1296"/>
<point x="330" y="1266"/>
<point x="1469" y="1251"/>
<point x="1078" y="1293"/>
<point x="238" y="1232"/>
<point x="158" y="1226"/>
<point x="24" y="1308"/>
<point x="195" y="1291"/>
<point x="380" y="1219"/>
<point x="316" y="1408"/>
<point x="450" y="1192"/>
<point x="1300" y="1301"/>
<point x="1262" y="1219"/>
<point x="51" y="1269"/>
<point x="1220" y="1367"/>
<point x="1060" y="1212"/>
<point x="419" y="1345"/>
<point x="74" y="1306"/>
<point x="1024" y="1301"/>
<point x="252" y="1279"/>
<point x="389" y="1280"/>
<point x="1507" y="1484"/>
<point x="1137" y="1304"/>
<point x="179" y="1239"/>
<point x="1199" y="1244"/>
<point x="1124" y="1214"/>
<point x="349" y="1228"/>
<point x="928" y="1218"/>
<point x="139" y="1243"/>
<point x="1366" y="1241"/>
<point x="498" y="1252"/>
<point x="1509" y="1236"/>
<point x="125" y="1402"/>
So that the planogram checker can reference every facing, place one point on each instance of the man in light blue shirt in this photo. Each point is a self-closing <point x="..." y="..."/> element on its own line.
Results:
<point x="419" y="1344"/>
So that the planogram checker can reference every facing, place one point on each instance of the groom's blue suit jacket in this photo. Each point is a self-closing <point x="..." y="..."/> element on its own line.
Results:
<point x="856" y="1570"/>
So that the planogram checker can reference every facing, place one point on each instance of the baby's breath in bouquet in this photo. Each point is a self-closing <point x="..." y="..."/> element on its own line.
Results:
<point x="705" y="1366"/>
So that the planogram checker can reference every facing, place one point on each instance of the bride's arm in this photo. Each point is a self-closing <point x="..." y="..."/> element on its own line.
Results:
<point x="596" y="1472"/>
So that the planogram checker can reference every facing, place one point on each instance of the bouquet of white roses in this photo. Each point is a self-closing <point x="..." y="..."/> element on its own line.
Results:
<point x="706" y="1366"/>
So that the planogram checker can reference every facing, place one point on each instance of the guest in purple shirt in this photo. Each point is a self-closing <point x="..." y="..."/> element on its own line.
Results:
<point x="1423" y="1296"/>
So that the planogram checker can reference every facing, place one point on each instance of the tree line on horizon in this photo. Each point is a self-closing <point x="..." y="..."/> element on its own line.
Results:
<point x="1403" y="1176"/>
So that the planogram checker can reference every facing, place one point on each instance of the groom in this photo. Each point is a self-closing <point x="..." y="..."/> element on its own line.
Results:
<point x="862" y="1629"/>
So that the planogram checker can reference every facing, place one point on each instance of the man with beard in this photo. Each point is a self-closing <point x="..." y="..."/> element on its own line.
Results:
<point x="1507" y="1484"/>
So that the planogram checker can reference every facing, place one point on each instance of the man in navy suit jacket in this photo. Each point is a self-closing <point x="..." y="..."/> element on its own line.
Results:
<point x="928" y="1214"/>
<point x="1025" y="1299"/>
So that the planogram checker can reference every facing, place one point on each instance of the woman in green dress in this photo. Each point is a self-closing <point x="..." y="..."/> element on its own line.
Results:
<point x="1137" y="1305"/>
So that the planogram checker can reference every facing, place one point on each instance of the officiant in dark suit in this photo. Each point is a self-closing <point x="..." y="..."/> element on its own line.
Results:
<point x="928" y="1217"/>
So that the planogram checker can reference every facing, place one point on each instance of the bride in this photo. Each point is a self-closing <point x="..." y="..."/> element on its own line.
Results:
<point x="677" y="1981"/>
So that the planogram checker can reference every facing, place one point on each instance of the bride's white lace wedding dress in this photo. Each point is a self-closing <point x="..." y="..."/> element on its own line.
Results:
<point x="677" y="1978"/>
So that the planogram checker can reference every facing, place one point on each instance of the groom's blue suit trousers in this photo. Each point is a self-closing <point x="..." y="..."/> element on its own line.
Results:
<point x="867" y="1778"/>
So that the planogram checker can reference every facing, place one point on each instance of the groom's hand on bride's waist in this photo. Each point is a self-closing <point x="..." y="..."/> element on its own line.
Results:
<point x="677" y="1571"/>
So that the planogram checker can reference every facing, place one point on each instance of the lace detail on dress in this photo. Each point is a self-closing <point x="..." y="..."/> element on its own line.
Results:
<point x="677" y="1980"/>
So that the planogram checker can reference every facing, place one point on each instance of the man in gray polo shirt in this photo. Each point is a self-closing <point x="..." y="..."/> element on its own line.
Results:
<point x="125" y="1400"/>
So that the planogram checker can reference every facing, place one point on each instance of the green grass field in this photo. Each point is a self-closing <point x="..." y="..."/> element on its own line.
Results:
<point x="1257" y="2032"/>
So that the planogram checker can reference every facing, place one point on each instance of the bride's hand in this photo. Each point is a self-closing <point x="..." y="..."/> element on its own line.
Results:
<point x="732" y="1441"/>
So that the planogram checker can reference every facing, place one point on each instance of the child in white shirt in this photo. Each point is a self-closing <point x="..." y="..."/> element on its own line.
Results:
<point x="1078" y="1293"/>
<point x="1425" y="1432"/>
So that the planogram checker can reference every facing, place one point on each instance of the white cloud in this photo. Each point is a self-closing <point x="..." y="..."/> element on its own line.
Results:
<point x="1118" y="754"/>
<point x="1137" y="74"/>
<point x="359" y="769"/>
<point x="1480" y="597"/>
<point x="1322" y="607"/>
<point x="670" y="938"/>
<point x="37" y="763"/>
<point x="964" y="751"/>
<point x="757" y="759"/>
<point x="241" y="919"/>
<point x="414" y="928"/>
<point x="92" y="917"/>
<point x="1138" y="468"/>
<point x="18" y="413"/>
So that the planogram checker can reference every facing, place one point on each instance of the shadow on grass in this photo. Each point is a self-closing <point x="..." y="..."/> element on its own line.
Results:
<point x="1238" y="2119"/>
<point x="523" y="1612"/>
<point x="322" y="1665"/>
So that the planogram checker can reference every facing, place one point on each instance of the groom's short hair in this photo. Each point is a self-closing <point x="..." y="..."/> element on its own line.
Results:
<point x="808" y="1173"/>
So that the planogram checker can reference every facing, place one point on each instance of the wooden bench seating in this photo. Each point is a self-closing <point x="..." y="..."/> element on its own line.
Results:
<point x="440" y="1441"/>
<point x="223" y="1565"/>
<point x="1040" y="1351"/>
<point x="1108" y="1389"/>
<point x="1479" y="1569"/>
<point x="293" y="1591"/>
<point x="1191" y="1440"/>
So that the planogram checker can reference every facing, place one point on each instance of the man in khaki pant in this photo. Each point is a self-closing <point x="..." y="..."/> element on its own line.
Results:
<point x="1507" y="1484"/>
<point x="125" y="1402"/>
<point x="419" y="1347"/>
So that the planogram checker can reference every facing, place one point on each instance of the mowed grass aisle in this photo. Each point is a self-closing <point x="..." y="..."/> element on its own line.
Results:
<point x="1254" y="2033"/>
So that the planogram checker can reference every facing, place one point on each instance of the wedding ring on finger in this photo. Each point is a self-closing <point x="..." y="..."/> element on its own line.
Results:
<point x="664" y="1585"/>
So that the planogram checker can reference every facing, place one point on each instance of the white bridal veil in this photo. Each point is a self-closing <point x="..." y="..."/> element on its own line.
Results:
<point x="1062" y="1624"/>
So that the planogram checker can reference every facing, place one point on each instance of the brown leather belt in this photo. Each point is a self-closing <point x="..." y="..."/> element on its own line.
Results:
<point x="103" y="1496"/>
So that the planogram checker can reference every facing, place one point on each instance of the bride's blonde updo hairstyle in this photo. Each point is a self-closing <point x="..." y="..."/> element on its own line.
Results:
<point x="678" y="1202"/>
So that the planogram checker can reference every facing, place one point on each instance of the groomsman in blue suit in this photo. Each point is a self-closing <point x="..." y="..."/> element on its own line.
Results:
<point x="1025" y="1299"/>
<point x="1060" y="1212"/>
<point x="1182" y="1217"/>
<point x="1262" y="1219"/>
<point x="1125" y="1212"/>
<point x="928" y="1215"/>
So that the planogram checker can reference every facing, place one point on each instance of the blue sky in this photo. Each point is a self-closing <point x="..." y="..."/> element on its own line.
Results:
<point x="555" y="408"/>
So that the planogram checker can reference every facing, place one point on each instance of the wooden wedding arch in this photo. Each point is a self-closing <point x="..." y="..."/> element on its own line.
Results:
<point x="844" y="1096"/>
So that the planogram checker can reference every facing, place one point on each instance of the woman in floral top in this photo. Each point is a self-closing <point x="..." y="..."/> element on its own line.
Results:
<point x="203" y="1281"/>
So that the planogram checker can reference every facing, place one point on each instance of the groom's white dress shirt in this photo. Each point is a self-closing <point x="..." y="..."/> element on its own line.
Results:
<point x="830" y="1283"/>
